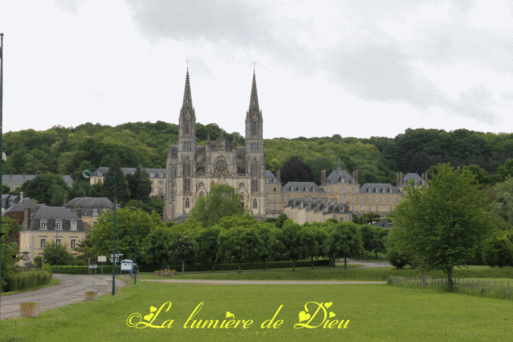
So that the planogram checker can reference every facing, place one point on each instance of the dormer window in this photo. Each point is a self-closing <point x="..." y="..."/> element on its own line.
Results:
<point x="58" y="225"/>
<point x="43" y="225"/>
<point x="152" y="175"/>
<point x="95" y="212"/>
<point x="73" y="224"/>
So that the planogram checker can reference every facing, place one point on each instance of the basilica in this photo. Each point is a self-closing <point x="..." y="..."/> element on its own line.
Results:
<point x="192" y="170"/>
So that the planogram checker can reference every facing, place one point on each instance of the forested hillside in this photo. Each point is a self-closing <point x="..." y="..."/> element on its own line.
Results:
<point x="71" y="150"/>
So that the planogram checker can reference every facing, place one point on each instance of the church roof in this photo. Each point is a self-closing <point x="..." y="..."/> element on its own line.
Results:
<point x="413" y="176"/>
<point x="90" y="202"/>
<point x="157" y="173"/>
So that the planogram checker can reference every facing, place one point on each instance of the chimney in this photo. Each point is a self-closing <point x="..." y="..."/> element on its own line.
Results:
<point x="355" y="175"/>
<point x="78" y="212"/>
<point x="26" y="219"/>
<point x="21" y="197"/>
<point x="278" y="175"/>
<point x="323" y="177"/>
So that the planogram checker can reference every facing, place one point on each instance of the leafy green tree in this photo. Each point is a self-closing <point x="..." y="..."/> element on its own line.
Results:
<point x="480" y="174"/>
<point x="115" y="185"/>
<point x="5" y="189"/>
<point x="57" y="253"/>
<point x="272" y="248"/>
<point x="398" y="252"/>
<point x="295" y="170"/>
<point x="505" y="170"/>
<point x="313" y="248"/>
<point x="239" y="245"/>
<point x="46" y="188"/>
<point x="9" y="250"/>
<point x="155" y="247"/>
<point x="498" y="251"/>
<point x="295" y="240"/>
<point x="221" y="201"/>
<point x="207" y="246"/>
<point x="182" y="249"/>
<point x="281" y="220"/>
<point x="245" y="221"/>
<point x="368" y="237"/>
<point x="444" y="221"/>
<point x="344" y="241"/>
<point x="101" y="235"/>
<point x="139" y="184"/>
<point x="380" y="236"/>
<point x="86" y="250"/>
<point x="504" y="195"/>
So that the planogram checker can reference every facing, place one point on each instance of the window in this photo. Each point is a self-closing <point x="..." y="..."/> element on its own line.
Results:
<point x="342" y="198"/>
<point x="363" y="198"/>
<point x="274" y="189"/>
<point x="363" y="208"/>
<point x="391" y="208"/>
<point x="376" y="199"/>
<point x="292" y="197"/>
<point x="343" y="190"/>
<point x="353" y="199"/>
<point x="285" y="198"/>
<point x="383" y="208"/>
<point x="274" y="207"/>
<point x="274" y="198"/>
<point x="383" y="199"/>
<point x="95" y="212"/>
<point x="187" y="203"/>
<point x="254" y="185"/>
<point x="353" y="207"/>
<point x="152" y="175"/>
<point x="43" y="243"/>
<point x="43" y="225"/>
<point x="161" y="191"/>
<point x="186" y="185"/>
<point x="73" y="225"/>
<point x="353" y="190"/>
<point x="267" y="197"/>
<point x="377" y="209"/>
<point x="95" y="223"/>
<point x="73" y="243"/>
<point x="397" y="199"/>
<point x="58" y="225"/>
<point x="255" y="204"/>
<point x="57" y="241"/>
<point x="161" y="175"/>
<point x="161" y="182"/>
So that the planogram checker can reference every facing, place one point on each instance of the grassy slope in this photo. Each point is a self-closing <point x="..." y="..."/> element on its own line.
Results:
<point x="376" y="313"/>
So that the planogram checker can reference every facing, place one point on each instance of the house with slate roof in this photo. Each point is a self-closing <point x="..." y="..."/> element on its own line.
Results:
<point x="45" y="224"/>
<point x="89" y="208"/>
<point x="274" y="195"/>
<point x="157" y="178"/>
<point x="315" y="209"/>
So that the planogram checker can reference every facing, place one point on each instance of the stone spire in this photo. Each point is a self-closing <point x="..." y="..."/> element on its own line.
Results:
<point x="253" y="102"/>
<point x="254" y="121"/>
<point x="187" y="98"/>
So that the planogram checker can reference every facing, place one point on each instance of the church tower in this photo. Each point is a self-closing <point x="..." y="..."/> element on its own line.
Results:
<point x="255" y="149"/>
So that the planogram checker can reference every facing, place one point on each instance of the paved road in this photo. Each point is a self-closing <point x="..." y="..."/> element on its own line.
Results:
<point x="71" y="290"/>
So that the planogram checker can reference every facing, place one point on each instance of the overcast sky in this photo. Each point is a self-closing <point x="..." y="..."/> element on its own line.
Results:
<point x="355" y="68"/>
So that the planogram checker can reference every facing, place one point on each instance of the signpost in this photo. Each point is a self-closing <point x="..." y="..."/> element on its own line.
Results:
<point x="102" y="259"/>
<point x="117" y="260"/>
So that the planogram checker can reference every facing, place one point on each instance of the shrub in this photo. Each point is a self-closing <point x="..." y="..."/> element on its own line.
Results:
<point x="38" y="261"/>
<point x="498" y="251"/>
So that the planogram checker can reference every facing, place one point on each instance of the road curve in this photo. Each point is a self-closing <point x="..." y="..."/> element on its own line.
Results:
<point x="71" y="290"/>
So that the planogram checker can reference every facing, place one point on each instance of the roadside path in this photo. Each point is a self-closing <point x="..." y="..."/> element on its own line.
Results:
<point x="71" y="290"/>
<point x="366" y="264"/>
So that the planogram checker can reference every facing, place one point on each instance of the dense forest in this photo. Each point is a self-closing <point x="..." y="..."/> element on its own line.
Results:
<point x="70" y="150"/>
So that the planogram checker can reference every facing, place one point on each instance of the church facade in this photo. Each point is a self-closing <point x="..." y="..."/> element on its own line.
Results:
<point x="192" y="170"/>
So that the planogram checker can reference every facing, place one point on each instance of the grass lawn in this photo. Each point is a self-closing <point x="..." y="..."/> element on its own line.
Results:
<point x="338" y="273"/>
<point x="53" y="282"/>
<point x="375" y="313"/>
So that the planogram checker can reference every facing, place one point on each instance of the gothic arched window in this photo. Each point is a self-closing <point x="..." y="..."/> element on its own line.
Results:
<point x="187" y="203"/>
<point x="254" y="127"/>
<point x="255" y="204"/>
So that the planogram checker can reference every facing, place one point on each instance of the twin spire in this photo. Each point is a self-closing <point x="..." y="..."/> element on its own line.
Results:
<point x="187" y="97"/>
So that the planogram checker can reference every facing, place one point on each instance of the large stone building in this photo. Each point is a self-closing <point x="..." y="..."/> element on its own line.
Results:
<point x="15" y="181"/>
<point x="157" y="178"/>
<point x="89" y="208"/>
<point x="192" y="170"/>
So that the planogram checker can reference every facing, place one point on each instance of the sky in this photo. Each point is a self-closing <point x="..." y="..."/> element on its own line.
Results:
<point x="355" y="68"/>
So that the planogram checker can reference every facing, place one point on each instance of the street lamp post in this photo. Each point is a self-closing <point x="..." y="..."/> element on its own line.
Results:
<point x="135" y="252"/>
<point x="87" y="174"/>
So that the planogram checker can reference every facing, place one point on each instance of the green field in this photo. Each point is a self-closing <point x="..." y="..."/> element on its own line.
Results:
<point x="338" y="273"/>
<point x="375" y="313"/>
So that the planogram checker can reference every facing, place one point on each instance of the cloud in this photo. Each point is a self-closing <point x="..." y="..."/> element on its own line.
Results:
<point x="476" y="103"/>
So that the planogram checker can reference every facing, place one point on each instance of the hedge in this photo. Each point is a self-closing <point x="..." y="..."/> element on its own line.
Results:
<point x="107" y="269"/>
<point x="25" y="280"/>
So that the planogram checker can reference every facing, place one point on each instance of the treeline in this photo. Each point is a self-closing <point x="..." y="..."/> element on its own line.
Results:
<point x="62" y="150"/>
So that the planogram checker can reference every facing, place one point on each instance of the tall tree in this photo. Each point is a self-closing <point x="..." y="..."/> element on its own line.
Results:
<point x="295" y="170"/>
<point x="221" y="201"/>
<point x="444" y="221"/>
<point x="46" y="188"/>
<point x="182" y="248"/>
<point x="115" y="185"/>
<point x="344" y="241"/>
<point x="239" y="245"/>
<point x="139" y="184"/>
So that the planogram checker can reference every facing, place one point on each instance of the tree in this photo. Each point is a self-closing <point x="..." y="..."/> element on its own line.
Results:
<point x="9" y="250"/>
<point x="504" y="193"/>
<point x="155" y="247"/>
<point x="444" y="221"/>
<point x="57" y="253"/>
<point x="295" y="170"/>
<point x="221" y="201"/>
<point x="397" y="250"/>
<point x="271" y="248"/>
<point x="295" y="240"/>
<point x="182" y="249"/>
<point x="139" y="184"/>
<point x="115" y="186"/>
<point x="239" y="245"/>
<point x="344" y="241"/>
<point x="207" y="246"/>
<point x="101" y="235"/>
<point x="498" y="251"/>
<point x="313" y="247"/>
<point x="481" y="175"/>
<point x="46" y="188"/>
<point x="5" y="189"/>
